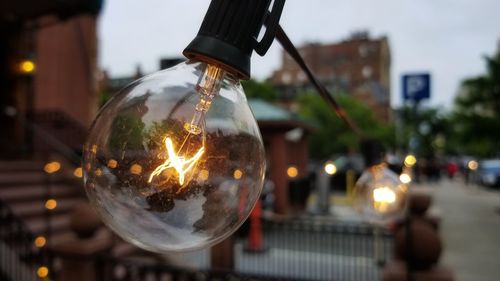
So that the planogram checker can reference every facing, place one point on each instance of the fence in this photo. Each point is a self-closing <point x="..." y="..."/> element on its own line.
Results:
<point x="18" y="256"/>
<point x="293" y="250"/>
<point x="318" y="250"/>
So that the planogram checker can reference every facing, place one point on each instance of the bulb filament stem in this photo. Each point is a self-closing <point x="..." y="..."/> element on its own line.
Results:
<point x="208" y="88"/>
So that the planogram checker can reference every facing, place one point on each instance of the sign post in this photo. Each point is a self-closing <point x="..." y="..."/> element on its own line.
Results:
<point x="416" y="87"/>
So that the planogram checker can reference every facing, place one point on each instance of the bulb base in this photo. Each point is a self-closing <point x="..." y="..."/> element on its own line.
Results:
<point x="228" y="34"/>
<point x="220" y="53"/>
<point x="373" y="152"/>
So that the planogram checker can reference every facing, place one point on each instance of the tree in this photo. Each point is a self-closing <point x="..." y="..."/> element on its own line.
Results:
<point x="476" y="116"/>
<point x="428" y="127"/>
<point x="332" y="135"/>
<point x="262" y="90"/>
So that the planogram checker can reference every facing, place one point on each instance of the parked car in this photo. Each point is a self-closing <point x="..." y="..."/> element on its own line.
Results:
<point x="489" y="173"/>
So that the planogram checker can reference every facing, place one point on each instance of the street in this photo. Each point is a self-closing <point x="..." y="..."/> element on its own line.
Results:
<point x="470" y="229"/>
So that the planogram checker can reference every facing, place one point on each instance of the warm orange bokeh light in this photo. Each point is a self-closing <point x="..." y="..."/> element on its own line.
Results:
<point x="27" y="66"/>
<point x="40" y="241"/>
<point x="237" y="174"/>
<point x="51" y="204"/>
<point x="52" y="167"/>
<point x="112" y="163"/>
<point x="136" y="169"/>
<point x="78" y="172"/>
<point x="42" y="272"/>
<point x="292" y="172"/>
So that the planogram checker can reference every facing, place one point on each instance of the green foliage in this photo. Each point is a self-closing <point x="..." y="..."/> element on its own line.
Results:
<point x="262" y="90"/>
<point x="126" y="132"/>
<point x="429" y="127"/>
<point x="333" y="136"/>
<point x="476" y="116"/>
<point x="103" y="96"/>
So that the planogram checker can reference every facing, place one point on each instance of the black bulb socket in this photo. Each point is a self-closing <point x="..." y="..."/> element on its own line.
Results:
<point x="229" y="31"/>
<point x="373" y="152"/>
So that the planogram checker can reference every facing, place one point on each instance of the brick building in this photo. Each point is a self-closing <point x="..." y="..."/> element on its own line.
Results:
<point x="359" y="66"/>
<point x="48" y="68"/>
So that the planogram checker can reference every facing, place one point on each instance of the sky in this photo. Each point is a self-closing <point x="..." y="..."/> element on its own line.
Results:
<point x="447" y="38"/>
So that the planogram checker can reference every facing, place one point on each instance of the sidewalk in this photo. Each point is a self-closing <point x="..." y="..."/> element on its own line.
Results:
<point x="470" y="229"/>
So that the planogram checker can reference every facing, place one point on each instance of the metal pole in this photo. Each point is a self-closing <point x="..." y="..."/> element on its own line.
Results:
<point x="323" y="192"/>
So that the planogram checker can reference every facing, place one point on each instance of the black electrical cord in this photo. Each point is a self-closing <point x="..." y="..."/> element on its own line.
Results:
<point x="325" y="94"/>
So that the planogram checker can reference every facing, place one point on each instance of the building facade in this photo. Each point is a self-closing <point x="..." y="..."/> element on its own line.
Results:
<point x="358" y="66"/>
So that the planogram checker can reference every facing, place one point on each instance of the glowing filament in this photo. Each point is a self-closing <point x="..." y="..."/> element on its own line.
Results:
<point x="383" y="197"/>
<point x="179" y="163"/>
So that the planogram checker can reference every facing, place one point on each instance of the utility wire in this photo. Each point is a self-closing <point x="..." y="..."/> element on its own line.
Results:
<point x="325" y="94"/>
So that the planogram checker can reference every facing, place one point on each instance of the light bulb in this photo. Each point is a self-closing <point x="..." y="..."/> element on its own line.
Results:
<point x="175" y="161"/>
<point x="379" y="195"/>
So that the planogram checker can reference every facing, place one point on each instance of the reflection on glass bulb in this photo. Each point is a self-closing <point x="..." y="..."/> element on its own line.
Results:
<point x="161" y="159"/>
<point x="379" y="195"/>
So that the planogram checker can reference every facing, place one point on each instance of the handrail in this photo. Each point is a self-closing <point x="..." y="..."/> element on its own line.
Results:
<point x="51" y="140"/>
<point x="16" y="244"/>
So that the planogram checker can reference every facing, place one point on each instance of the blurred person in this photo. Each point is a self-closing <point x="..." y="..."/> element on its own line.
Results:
<point x="451" y="169"/>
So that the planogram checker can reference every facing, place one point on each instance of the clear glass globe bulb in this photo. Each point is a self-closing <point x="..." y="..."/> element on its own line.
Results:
<point x="175" y="160"/>
<point x="379" y="196"/>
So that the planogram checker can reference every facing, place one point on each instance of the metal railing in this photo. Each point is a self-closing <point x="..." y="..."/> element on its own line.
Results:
<point x="18" y="255"/>
<point x="60" y="128"/>
<point x="55" y="133"/>
<point x="293" y="250"/>
<point x="318" y="250"/>
<point x="113" y="269"/>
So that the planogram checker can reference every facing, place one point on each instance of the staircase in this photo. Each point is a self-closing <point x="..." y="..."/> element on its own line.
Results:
<point x="24" y="190"/>
<point x="25" y="187"/>
<point x="28" y="228"/>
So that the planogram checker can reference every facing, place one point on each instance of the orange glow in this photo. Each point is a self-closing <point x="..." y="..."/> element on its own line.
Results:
<point x="112" y="163"/>
<point x="42" y="272"/>
<point x="52" y="167"/>
<point x="27" y="66"/>
<point x="237" y="174"/>
<point x="51" y="204"/>
<point x="40" y="241"/>
<point x="136" y="169"/>
<point x="292" y="172"/>
<point x="98" y="172"/>
<point x="179" y="163"/>
<point x="203" y="175"/>
<point x="78" y="172"/>
<point x="93" y="149"/>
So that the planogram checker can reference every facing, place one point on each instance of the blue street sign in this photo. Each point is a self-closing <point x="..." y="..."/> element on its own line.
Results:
<point x="416" y="87"/>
